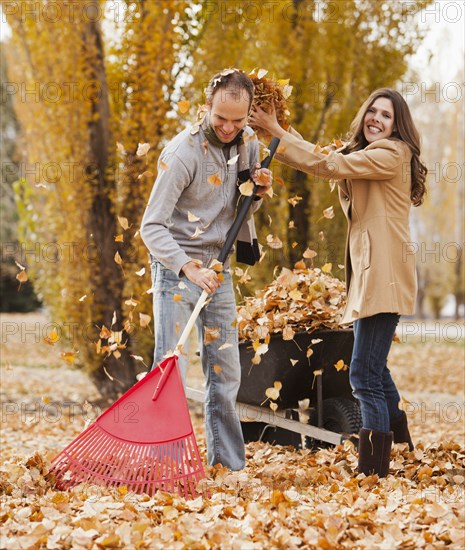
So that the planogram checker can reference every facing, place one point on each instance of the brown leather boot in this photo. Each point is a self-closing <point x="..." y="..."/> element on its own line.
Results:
<point x="400" y="431"/>
<point x="374" y="451"/>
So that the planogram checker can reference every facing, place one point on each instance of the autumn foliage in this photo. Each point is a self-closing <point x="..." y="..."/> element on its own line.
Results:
<point x="95" y="143"/>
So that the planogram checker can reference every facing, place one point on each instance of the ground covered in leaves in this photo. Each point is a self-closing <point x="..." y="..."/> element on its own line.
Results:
<point x="283" y="499"/>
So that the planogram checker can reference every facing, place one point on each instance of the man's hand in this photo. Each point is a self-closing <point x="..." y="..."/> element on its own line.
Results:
<point x="206" y="279"/>
<point x="264" y="179"/>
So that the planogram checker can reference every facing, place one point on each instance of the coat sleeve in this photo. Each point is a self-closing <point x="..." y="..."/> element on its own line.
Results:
<point x="378" y="161"/>
<point x="156" y="221"/>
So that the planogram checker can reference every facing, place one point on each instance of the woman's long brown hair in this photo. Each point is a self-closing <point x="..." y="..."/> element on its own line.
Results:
<point x="405" y="131"/>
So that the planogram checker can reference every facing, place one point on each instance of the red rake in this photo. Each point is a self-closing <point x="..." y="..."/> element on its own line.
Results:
<point x="145" y="440"/>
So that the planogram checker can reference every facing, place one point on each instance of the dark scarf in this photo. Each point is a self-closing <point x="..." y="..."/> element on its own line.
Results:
<point x="247" y="249"/>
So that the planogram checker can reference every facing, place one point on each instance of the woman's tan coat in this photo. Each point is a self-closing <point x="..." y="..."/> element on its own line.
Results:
<point x="374" y="191"/>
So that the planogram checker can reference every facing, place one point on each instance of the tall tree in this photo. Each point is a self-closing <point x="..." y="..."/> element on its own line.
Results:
<point x="76" y="107"/>
<point x="335" y="54"/>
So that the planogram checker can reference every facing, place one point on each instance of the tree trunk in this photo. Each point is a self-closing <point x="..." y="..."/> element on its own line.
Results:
<point x="107" y="276"/>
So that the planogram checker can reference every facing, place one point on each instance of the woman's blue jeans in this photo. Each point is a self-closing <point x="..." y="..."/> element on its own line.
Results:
<point x="370" y="378"/>
<point x="216" y="326"/>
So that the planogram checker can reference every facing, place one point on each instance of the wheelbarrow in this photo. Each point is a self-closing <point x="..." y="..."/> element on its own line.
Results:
<point x="332" y="414"/>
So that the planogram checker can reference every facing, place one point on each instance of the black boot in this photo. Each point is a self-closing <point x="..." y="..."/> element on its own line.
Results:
<point x="374" y="451"/>
<point x="400" y="431"/>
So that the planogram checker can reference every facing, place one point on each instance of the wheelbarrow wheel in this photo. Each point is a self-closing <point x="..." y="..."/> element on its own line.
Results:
<point x="340" y="415"/>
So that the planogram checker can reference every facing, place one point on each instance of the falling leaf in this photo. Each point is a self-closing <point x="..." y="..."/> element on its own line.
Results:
<point x="327" y="268"/>
<point x="272" y="393"/>
<point x="184" y="106"/>
<point x="274" y="241"/>
<point x="216" y="266"/>
<point x="214" y="180"/>
<point x="108" y="374"/>
<point x="104" y="332"/>
<point x="246" y="188"/>
<point x="233" y="160"/>
<point x="162" y="165"/>
<point x="123" y="222"/>
<point x="294" y="244"/>
<point x="309" y="254"/>
<point x="293" y="201"/>
<point x="192" y="217"/>
<point x="217" y="369"/>
<point x="182" y="286"/>
<point x="340" y="365"/>
<point x="118" y="259"/>
<point x="177" y="297"/>
<point x="226" y="345"/>
<point x="328" y="213"/>
<point x="317" y="149"/>
<point x="119" y="238"/>
<point x="273" y="406"/>
<point x="131" y="302"/>
<point x="69" y="356"/>
<point x="141" y="272"/>
<point x="196" y="233"/>
<point x="142" y="149"/>
<point x="22" y="276"/>
<point x="82" y="298"/>
<point x="211" y="334"/>
<point x="146" y="174"/>
<point x="261" y="73"/>
<point x="294" y="361"/>
<point x="40" y="185"/>
<point x="144" y="319"/>
<point x="120" y="148"/>
<point x="52" y="338"/>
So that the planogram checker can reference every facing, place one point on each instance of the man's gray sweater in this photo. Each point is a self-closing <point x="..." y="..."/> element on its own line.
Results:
<point x="194" y="180"/>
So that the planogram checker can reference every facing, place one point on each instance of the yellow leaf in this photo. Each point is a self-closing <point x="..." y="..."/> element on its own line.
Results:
<point x="293" y="201"/>
<point x="273" y="406"/>
<point x="294" y="361"/>
<point x="141" y="272"/>
<point x="142" y="149"/>
<point x="82" y="298"/>
<point x="22" y="276"/>
<point x="295" y="294"/>
<point x="147" y="174"/>
<point x="246" y="188"/>
<point x="215" y="180"/>
<point x="309" y="254"/>
<point x="118" y="259"/>
<point x="69" y="356"/>
<point x="274" y="241"/>
<point x="163" y="166"/>
<point x="278" y="385"/>
<point x="226" y="345"/>
<point x="123" y="222"/>
<point x="217" y="369"/>
<point x="272" y="393"/>
<point x="261" y="73"/>
<point x="196" y="233"/>
<point x="177" y="297"/>
<point x="216" y="266"/>
<point x="340" y="365"/>
<point x="192" y="217"/>
<point x="288" y="333"/>
<point x="119" y="238"/>
<point x="120" y="148"/>
<point x="144" y="319"/>
<point x="328" y="213"/>
<point x="52" y="338"/>
<point x="184" y="106"/>
<point x="327" y="268"/>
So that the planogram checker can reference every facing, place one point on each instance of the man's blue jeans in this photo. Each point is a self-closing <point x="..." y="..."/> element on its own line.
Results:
<point x="216" y="326"/>
<point x="370" y="378"/>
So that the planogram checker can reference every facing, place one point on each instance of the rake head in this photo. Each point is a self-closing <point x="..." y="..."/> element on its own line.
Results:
<point x="144" y="441"/>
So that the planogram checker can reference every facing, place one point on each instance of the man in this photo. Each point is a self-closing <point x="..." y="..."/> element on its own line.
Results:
<point x="190" y="210"/>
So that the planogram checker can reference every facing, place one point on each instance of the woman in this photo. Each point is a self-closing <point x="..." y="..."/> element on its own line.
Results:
<point x="379" y="175"/>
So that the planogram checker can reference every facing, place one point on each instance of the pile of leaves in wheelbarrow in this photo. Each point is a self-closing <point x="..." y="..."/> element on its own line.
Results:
<point x="302" y="299"/>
